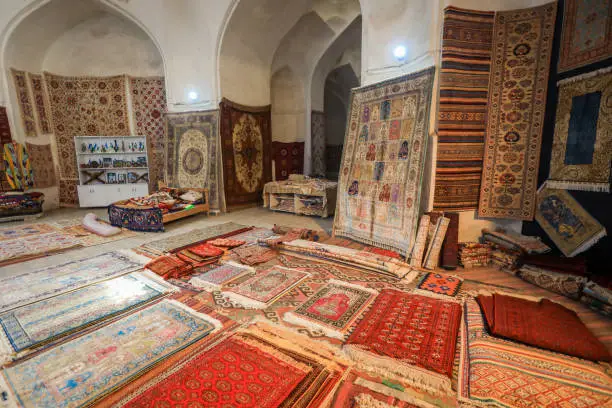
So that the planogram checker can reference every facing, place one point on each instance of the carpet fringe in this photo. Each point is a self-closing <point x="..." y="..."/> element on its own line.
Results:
<point x="292" y="318"/>
<point x="353" y="285"/>
<point x="584" y="76"/>
<point x="166" y="286"/>
<point x="216" y="323"/>
<point x="136" y="257"/>
<point x="435" y="383"/>
<point x="576" y="185"/>
<point x="244" y="301"/>
<point x="588" y="244"/>
<point x="429" y="294"/>
<point x="390" y="392"/>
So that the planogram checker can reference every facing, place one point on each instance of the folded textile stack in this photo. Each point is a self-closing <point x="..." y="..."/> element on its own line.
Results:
<point x="507" y="260"/>
<point x="597" y="298"/>
<point x="565" y="276"/>
<point x="254" y="254"/>
<point x="169" y="266"/>
<point x="200" y="254"/>
<point x="514" y="241"/>
<point x="472" y="254"/>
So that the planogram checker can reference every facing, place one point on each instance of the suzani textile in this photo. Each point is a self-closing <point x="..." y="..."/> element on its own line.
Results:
<point x="509" y="374"/>
<point x="148" y="109"/>
<point x="317" y="131"/>
<point x="42" y="165"/>
<point x="84" y="106"/>
<point x="40" y="103"/>
<point x="522" y="45"/>
<point x="582" y="147"/>
<point x="587" y="33"/>
<point x="193" y="155"/>
<point x="17" y="166"/>
<point x="382" y="164"/>
<point x="246" y="146"/>
<point x="288" y="159"/>
<point x="24" y="99"/>
<point x="97" y="363"/>
<point x="571" y="228"/>
<point x="464" y="86"/>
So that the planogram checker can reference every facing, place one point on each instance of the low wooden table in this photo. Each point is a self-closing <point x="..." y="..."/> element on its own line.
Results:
<point x="304" y="196"/>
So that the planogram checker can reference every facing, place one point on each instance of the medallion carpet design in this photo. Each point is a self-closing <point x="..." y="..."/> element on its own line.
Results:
<point x="508" y="374"/>
<point x="38" y="323"/>
<point x="288" y="159"/>
<point x="333" y="309"/>
<point x="586" y="34"/>
<point x="193" y="155"/>
<point x="24" y="99"/>
<point x="571" y="228"/>
<point x="522" y="45"/>
<point x="98" y="362"/>
<point x="264" y="288"/>
<point x="464" y="86"/>
<point x="382" y="163"/>
<point x="148" y="109"/>
<point x="84" y="106"/>
<point x="42" y="165"/>
<point x="215" y="278"/>
<point x="317" y="131"/>
<point x="582" y="146"/>
<point x="407" y="333"/>
<point x="40" y="103"/>
<point x="246" y="145"/>
<point x="37" y="285"/>
<point x="440" y="284"/>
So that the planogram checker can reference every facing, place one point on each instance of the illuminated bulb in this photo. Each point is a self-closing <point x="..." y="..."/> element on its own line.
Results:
<point x="399" y="52"/>
<point x="192" y="95"/>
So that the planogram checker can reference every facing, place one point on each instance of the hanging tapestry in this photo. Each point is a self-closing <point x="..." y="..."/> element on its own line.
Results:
<point x="571" y="228"/>
<point x="193" y="155"/>
<point x="99" y="362"/>
<point x="40" y="103"/>
<point x="17" y="166"/>
<point x="317" y="132"/>
<point x="41" y="159"/>
<point x="148" y="109"/>
<point x="464" y="86"/>
<point x="582" y="146"/>
<point x="288" y="159"/>
<point x="84" y="106"/>
<point x="382" y="164"/>
<point x="5" y="127"/>
<point x="247" y="163"/>
<point x="522" y="44"/>
<point x="24" y="99"/>
<point x="587" y="33"/>
<point x="333" y="309"/>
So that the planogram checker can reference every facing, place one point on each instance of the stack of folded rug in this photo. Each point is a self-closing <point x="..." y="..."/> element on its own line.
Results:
<point x="200" y="254"/>
<point x="597" y="298"/>
<point x="565" y="276"/>
<point x="507" y="260"/>
<point x="472" y="254"/>
<point x="516" y="242"/>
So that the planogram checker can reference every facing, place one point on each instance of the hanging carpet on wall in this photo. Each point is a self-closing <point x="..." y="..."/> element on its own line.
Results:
<point x="382" y="164"/>
<point x="18" y="169"/>
<point x="288" y="159"/>
<point x="464" y="84"/>
<point x="522" y="45"/>
<point x="24" y="101"/>
<point x="5" y="137"/>
<point x="193" y="154"/>
<point x="246" y="146"/>
<point x="582" y="146"/>
<point x="317" y="132"/>
<point x="40" y="103"/>
<point x="42" y="165"/>
<point x="84" y="106"/>
<point x="587" y="33"/>
<point x="148" y="109"/>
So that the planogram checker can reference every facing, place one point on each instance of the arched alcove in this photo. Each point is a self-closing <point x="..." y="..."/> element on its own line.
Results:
<point x="288" y="111"/>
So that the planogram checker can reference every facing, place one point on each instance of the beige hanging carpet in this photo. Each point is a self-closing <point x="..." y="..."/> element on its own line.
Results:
<point x="247" y="152"/>
<point x="148" y="109"/>
<point x="40" y="102"/>
<point x="24" y="101"/>
<point x="84" y="106"/>
<point x="193" y="156"/>
<point x="42" y="165"/>
<point x="522" y="43"/>
<point x="382" y="164"/>
<point x="317" y="154"/>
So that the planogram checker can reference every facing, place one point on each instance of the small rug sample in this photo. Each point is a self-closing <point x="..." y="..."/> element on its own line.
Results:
<point x="382" y="163"/>
<point x="585" y="38"/>
<point x="193" y="154"/>
<point x="317" y="132"/>
<point x="263" y="289"/>
<point x="28" y="327"/>
<point x="570" y="227"/>
<point x="496" y="371"/>
<point x="226" y="242"/>
<point x="582" y="146"/>
<point x="440" y="284"/>
<point x="27" y="230"/>
<point x="169" y="266"/>
<point x="43" y="283"/>
<point x="148" y="110"/>
<point x="411" y="335"/>
<point x="254" y="254"/>
<point x="246" y="146"/>
<point x="31" y="247"/>
<point x="42" y="165"/>
<point x="464" y="85"/>
<point x="215" y="278"/>
<point x="40" y="103"/>
<point x="17" y="166"/>
<point x="333" y="309"/>
<point x="564" y="284"/>
<point x="108" y="358"/>
<point x="416" y="257"/>
<point x="288" y="159"/>
<point x="24" y="99"/>
<point x="522" y="46"/>
<point x="438" y="233"/>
